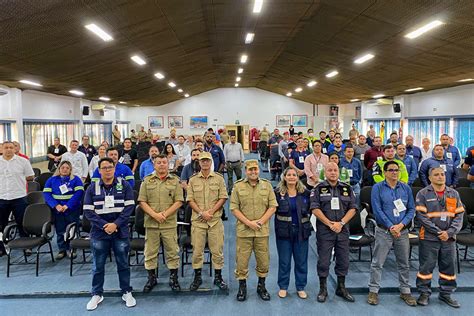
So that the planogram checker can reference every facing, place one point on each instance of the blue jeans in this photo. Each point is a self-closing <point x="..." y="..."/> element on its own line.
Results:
<point x="100" y="251"/>
<point x="299" y="250"/>
<point x="356" y="189"/>
<point x="61" y="220"/>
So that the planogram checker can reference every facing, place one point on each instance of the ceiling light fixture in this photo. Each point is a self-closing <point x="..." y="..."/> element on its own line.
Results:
<point x="159" y="75"/>
<point x="425" y="28"/>
<point x="332" y="74"/>
<point x="413" y="89"/>
<point x="106" y="99"/>
<point x="312" y="83"/>
<point x="376" y="96"/>
<point x="289" y="94"/>
<point x="99" y="32"/>
<point x="236" y="85"/>
<point x="241" y="70"/>
<point x="76" y="92"/>
<point x="238" y="79"/>
<point x="137" y="59"/>
<point x="249" y="38"/>
<point x="355" y="100"/>
<point x="257" y="6"/>
<point x="186" y="95"/>
<point x="171" y="84"/>
<point x="466" y="80"/>
<point x="122" y="102"/>
<point x="364" y="58"/>
<point x="31" y="83"/>
<point x="299" y="89"/>
<point x="243" y="59"/>
<point x="180" y="90"/>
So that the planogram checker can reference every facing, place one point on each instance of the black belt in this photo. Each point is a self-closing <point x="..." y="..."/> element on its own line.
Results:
<point x="233" y="161"/>
<point x="388" y="229"/>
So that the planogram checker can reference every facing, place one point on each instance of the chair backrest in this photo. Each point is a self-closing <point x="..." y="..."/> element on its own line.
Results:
<point x="85" y="225"/>
<point x="135" y="196"/>
<point x="464" y="182"/>
<point x="467" y="198"/>
<point x="33" y="186"/>
<point x="37" y="172"/>
<point x="43" y="178"/>
<point x="138" y="183"/>
<point x="355" y="225"/>
<point x="35" y="197"/>
<point x="415" y="191"/>
<point x="139" y="224"/>
<point x="36" y="215"/>
<point x="462" y="173"/>
<point x="417" y="183"/>
<point x="365" y="193"/>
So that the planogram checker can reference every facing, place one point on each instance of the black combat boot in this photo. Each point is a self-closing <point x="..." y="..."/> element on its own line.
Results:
<point x="218" y="280"/>
<point x="174" y="284"/>
<point x="197" y="280"/>
<point x="323" y="290"/>
<point x="242" y="293"/>
<point x="342" y="291"/>
<point x="262" y="291"/>
<point x="151" y="283"/>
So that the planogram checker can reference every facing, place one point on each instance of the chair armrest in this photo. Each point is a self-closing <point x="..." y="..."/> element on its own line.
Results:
<point x="45" y="230"/>
<point x="71" y="232"/>
<point x="9" y="233"/>
<point x="367" y="207"/>
<point x="370" y="225"/>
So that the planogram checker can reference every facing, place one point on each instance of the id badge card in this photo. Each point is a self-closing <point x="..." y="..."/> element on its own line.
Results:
<point x="443" y="167"/>
<point x="396" y="213"/>
<point x="379" y="158"/>
<point x="56" y="150"/>
<point x="399" y="205"/>
<point x="443" y="216"/>
<point x="109" y="201"/>
<point x="349" y="171"/>
<point x="449" y="155"/>
<point x="320" y="166"/>
<point x="361" y="156"/>
<point x="171" y="165"/>
<point x="63" y="188"/>
<point x="301" y="159"/>
<point x="335" y="203"/>
<point x="325" y="151"/>
<point x="121" y="160"/>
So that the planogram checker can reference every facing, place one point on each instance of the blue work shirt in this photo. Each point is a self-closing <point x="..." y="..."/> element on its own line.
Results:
<point x="412" y="168"/>
<point x="469" y="154"/>
<point x="217" y="155"/>
<point x="356" y="166"/>
<point x="295" y="155"/>
<point x="452" y="153"/>
<point x="187" y="172"/>
<point x="72" y="198"/>
<point x="415" y="153"/>
<point x="382" y="203"/>
<point x="121" y="171"/>
<point x="146" y="168"/>
<point x="99" y="214"/>
<point x="451" y="171"/>
<point x="340" y="153"/>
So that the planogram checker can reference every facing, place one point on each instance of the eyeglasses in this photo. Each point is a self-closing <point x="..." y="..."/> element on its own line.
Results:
<point x="393" y="170"/>
<point x="107" y="168"/>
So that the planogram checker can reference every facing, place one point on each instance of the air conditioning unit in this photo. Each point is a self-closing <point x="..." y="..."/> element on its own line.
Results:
<point x="98" y="107"/>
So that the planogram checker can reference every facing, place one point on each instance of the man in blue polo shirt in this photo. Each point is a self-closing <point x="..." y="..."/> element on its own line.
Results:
<point x="450" y="151"/>
<point x="216" y="153"/>
<point x="121" y="170"/>
<point x="108" y="204"/>
<point x="354" y="169"/>
<point x="297" y="158"/>
<point x="439" y="159"/>
<point x="394" y="208"/>
<point x="147" y="167"/>
<point x="412" y="150"/>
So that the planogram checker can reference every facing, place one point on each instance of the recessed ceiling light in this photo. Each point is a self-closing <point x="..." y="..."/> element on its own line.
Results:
<point x="99" y="32"/>
<point x="249" y="38"/>
<point x="76" y="92"/>
<point x="299" y="89"/>
<point x="376" y="96"/>
<point x="332" y="74"/>
<point x="137" y="105"/>
<point x="355" y="100"/>
<point x="289" y="94"/>
<point x="238" y="79"/>
<point x="137" y="59"/>
<point x="106" y="99"/>
<point x="425" y="28"/>
<point x="364" y="58"/>
<point x="257" y="6"/>
<point x="180" y="90"/>
<point x="466" y="80"/>
<point x="159" y="75"/>
<point x="243" y="59"/>
<point x="186" y="95"/>
<point x="311" y="83"/>
<point x="236" y="85"/>
<point x="241" y="70"/>
<point x="122" y="102"/>
<point x="413" y="89"/>
<point x="171" y="84"/>
<point x="31" y="83"/>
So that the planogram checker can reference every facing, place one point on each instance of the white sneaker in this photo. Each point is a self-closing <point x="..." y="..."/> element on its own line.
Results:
<point x="95" y="300"/>
<point x="129" y="299"/>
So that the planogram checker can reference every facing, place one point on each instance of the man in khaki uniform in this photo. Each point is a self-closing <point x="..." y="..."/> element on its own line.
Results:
<point x="160" y="196"/>
<point x="253" y="203"/>
<point x="206" y="195"/>
<point x="142" y="135"/>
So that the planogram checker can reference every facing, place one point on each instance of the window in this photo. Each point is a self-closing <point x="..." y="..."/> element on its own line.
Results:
<point x="123" y="128"/>
<point x="98" y="132"/>
<point x="390" y="126"/>
<point x="5" y="131"/>
<point x="39" y="136"/>
<point x="463" y="134"/>
<point x="428" y="128"/>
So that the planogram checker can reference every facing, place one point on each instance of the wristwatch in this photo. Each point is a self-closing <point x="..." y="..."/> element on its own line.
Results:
<point x="342" y="222"/>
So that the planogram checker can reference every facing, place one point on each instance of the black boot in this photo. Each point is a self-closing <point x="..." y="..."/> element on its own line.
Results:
<point x="323" y="290"/>
<point x="342" y="291"/>
<point x="174" y="284"/>
<point x="262" y="291"/>
<point x="242" y="293"/>
<point x="218" y="280"/>
<point x="151" y="283"/>
<point x="197" y="280"/>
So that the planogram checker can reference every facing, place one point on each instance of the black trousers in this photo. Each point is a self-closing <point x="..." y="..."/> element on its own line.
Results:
<point x="443" y="253"/>
<point x="326" y="241"/>
<point x="17" y="206"/>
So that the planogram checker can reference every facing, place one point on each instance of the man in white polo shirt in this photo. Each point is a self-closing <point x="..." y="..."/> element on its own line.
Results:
<point x="14" y="172"/>
<point x="78" y="160"/>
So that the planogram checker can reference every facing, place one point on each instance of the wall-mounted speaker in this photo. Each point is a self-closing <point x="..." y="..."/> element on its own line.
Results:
<point x="397" y="108"/>
<point x="85" y="110"/>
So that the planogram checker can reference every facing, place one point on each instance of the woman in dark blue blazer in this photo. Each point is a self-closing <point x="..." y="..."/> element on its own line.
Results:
<point x="292" y="230"/>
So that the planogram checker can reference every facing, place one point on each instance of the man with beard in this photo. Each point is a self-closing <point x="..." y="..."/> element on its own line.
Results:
<point x="147" y="167"/>
<point x="216" y="153"/>
<point x="191" y="168"/>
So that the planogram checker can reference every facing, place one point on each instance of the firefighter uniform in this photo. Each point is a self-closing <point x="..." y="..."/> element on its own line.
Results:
<point x="438" y="213"/>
